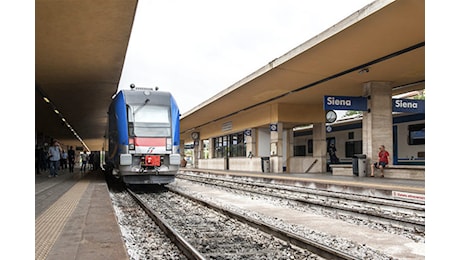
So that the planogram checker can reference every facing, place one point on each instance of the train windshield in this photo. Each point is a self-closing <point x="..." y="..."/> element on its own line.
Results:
<point x="150" y="121"/>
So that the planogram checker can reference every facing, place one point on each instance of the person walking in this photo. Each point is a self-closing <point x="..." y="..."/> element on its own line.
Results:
<point x="384" y="160"/>
<point x="54" y="154"/>
<point x="84" y="161"/>
<point x="71" y="158"/>
<point x="64" y="159"/>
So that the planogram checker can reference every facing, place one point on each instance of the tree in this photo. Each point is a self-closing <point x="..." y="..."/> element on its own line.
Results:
<point x="352" y="112"/>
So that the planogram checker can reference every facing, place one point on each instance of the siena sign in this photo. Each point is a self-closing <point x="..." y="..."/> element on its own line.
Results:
<point x="360" y="104"/>
<point x="345" y="103"/>
<point x="409" y="105"/>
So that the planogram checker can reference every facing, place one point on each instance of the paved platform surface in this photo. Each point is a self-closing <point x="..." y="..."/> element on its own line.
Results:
<point x="74" y="218"/>
<point x="380" y="187"/>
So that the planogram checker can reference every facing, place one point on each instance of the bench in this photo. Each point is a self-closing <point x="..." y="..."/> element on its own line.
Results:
<point x="410" y="172"/>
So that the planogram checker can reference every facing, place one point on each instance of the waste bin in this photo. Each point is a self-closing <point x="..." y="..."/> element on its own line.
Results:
<point x="359" y="165"/>
<point x="265" y="164"/>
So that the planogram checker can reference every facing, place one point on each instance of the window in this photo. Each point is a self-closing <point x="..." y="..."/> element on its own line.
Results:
<point x="299" y="150"/>
<point x="148" y="120"/>
<point x="353" y="147"/>
<point x="219" y="147"/>
<point x="351" y="135"/>
<point x="416" y="134"/>
<point x="235" y="145"/>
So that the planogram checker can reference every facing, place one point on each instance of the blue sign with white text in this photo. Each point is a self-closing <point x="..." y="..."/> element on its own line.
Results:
<point x="409" y="105"/>
<point x="345" y="103"/>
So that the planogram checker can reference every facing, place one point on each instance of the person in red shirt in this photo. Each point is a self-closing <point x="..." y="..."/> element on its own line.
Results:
<point x="384" y="160"/>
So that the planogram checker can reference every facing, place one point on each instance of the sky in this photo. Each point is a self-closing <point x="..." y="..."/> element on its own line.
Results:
<point x="195" y="49"/>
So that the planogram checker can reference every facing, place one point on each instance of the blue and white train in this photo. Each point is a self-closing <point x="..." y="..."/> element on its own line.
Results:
<point x="143" y="137"/>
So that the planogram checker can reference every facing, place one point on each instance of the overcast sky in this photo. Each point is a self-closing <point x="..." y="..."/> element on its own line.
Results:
<point x="195" y="49"/>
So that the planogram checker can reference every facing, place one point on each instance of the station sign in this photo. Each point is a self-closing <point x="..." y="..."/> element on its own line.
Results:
<point x="345" y="103"/>
<point x="360" y="104"/>
<point x="247" y="132"/>
<point x="409" y="105"/>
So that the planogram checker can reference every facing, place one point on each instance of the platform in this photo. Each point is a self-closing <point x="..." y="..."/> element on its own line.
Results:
<point x="74" y="218"/>
<point x="403" y="189"/>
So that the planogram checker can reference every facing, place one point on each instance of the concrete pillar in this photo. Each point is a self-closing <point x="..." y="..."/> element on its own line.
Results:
<point x="378" y="120"/>
<point x="181" y="148"/>
<point x="210" y="148"/>
<point x="319" y="147"/>
<point x="290" y="148"/>
<point x="251" y="144"/>
<point x="276" y="148"/>
<point x="197" y="152"/>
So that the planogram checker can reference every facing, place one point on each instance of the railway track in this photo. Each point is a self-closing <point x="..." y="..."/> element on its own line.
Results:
<point x="403" y="215"/>
<point x="203" y="230"/>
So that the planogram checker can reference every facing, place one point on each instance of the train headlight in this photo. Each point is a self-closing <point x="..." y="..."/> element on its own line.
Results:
<point x="168" y="144"/>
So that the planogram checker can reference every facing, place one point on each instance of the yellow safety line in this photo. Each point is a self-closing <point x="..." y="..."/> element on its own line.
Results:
<point x="49" y="224"/>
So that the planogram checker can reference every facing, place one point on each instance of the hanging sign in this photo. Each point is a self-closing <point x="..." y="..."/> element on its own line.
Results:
<point x="345" y="103"/>
<point x="409" y="105"/>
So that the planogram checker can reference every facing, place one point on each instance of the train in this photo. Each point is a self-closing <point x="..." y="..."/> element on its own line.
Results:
<point x="346" y="134"/>
<point x="143" y="137"/>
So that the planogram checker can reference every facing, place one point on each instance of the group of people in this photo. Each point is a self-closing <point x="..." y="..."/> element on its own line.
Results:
<point x="384" y="159"/>
<point x="55" y="158"/>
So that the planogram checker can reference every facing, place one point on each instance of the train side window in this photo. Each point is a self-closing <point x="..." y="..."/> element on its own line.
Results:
<point x="416" y="134"/>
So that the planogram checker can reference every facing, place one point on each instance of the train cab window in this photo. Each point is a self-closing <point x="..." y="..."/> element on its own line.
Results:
<point x="151" y="120"/>
<point x="416" y="134"/>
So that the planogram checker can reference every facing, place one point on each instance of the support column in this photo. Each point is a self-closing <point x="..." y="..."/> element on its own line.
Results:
<point x="182" y="148"/>
<point x="290" y="149"/>
<point x="276" y="148"/>
<point x="378" y="120"/>
<point x="251" y="144"/>
<point x="319" y="147"/>
<point x="197" y="152"/>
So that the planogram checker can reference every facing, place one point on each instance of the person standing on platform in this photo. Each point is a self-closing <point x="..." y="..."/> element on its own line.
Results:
<point x="43" y="159"/>
<point x="37" y="159"/>
<point x="384" y="160"/>
<point x="84" y="161"/>
<point x="71" y="158"/>
<point x="333" y="157"/>
<point x="64" y="160"/>
<point x="54" y="154"/>
<point x="91" y="161"/>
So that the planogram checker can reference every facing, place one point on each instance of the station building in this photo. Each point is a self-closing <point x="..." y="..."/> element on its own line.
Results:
<point x="360" y="63"/>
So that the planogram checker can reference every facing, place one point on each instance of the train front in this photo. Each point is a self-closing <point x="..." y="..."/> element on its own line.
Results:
<point x="153" y="138"/>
